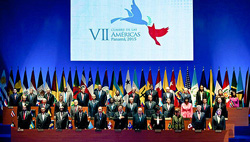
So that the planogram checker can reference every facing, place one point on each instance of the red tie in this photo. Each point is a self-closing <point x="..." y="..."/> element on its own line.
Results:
<point x="75" y="109"/>
<point x="24" y="115"/>
<point x="199" y="116"/>
<point x="204" y="107"/>
<point x="82" y="96"/>
<point x="48" y="97"/>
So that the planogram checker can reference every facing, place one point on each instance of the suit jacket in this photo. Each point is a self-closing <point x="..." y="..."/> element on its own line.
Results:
<point x="161" y="124"/>
<point x="102" y="99"/>
<point x="100" y="123"/>
<point x="62" y="123"/>
<point x="24" y="123"/>
<point x="177" y="122"/>
<point x="218" y="126"/>
<point x="32" y="98"/>
<point x="183" y="96"/>
<point x="164" y="98"/>
<point x="120" y="123"/>
<point x="81" y="123"/>
<point x="130" y="112"/>
<point x="85" y="100"/>
<point x="198" y="97"/>
<point x="206" y="110"/>
<point x="136" y="99"/>
<point x="199" y="124"/>
<point x="155" y="96"/>
<point x="223" y="108"/>
<point x="20" y="106"/>
<point x="139" y="124"/>
<point x="43" y="124"/>
<point x="150" y="110"/>
<point x="73" y="111"/>
<point x="118" y="100"/>
<point x="47" y="108"/>
<point x="57" y="106"/>
<point x="69" y="97"/>
<point x="50" y="99"/>
<point x="111" y="110"/>
<point x="13" y="101"/>
<point x="168" y="112"/>
<point x="93" y="108"/>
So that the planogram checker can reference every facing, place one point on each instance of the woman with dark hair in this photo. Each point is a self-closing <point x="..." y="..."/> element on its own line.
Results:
<point x="200" y="95"/>
<point x="234" y="101"/>
<point x="186" y="109"/>
<point x="220" y="95"/>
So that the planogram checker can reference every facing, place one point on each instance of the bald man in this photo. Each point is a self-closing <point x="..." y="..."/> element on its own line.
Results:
<point x="101" y="96"/>
<point x="150" y="106"/>
<point x="139" y="121"/>
<point x="135" y="96"/>
<point x="199" y="119"/>
<point x="22" y="103"/>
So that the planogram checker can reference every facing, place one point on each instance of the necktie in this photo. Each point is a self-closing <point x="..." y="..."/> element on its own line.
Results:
<point x="61" y="115"/>
<point x="82" y="97"/>
<point x="75" y="108"/>
<point x="218" y="119"/>
<point x="48" y="97"/>
<point x="99" y="94"/>
<point x="158" y="121"/>
<point x="151" y="92"/>
<point x="100" y="116"/>
<point x="204" y="106"/>
<point x="80" y="114"/>
<point x="15" y="96"/>
<point x="65" y="98"/>
<point x="199" y="116"/>
<point x="140" y="117"/>
<point x="30" y="98"/>
<point x="43" y="116"/>
<point x="149" y="104"/>
<point x="133" y="95"/>
<point x="131" y="106"/>
<point x="24" y="115"/>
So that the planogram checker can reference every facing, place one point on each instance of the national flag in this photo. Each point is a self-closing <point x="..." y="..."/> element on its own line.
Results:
<point x="231" y="103"/>
<point x="209" y="126"/>
<point x="239" y="90"/>
<point x="158" y="86"/>
<point x="149" y="126"/>
<point x="90" y="125"/>
<point x="169" y="125"/>
<point x="76" y="87"/>
<point x="63" y="82"/>
<point x="3" y="86"/>
<point x="173" y="87"/>
<point x="180" y="84"/>
<point x="49" y="113"/>
<point x="12" y="114"/>
<point x="112" y="89"/>
<point x="18" y="83"/>
<point x="218" y="84"/>
<point x="25" y="81"/>
<point x="51" y="125"/>
<point x="234" y="82"/>
<point x="40" y="86"/>
<point x="210" y="89"/>
<point x="54" y="89"/>
<point x="84" y="83"/>
<point x="203" y="81"/>
<point x="12" y="125"/>
<point x="97" y="80"/>
<point x="33" y="82"/>
<point x="10" y="86"/>
<point x="194" y="88"/>
<point x="187" y="82"/>
<point x="130" y="126"/>
<point x="90" y="86"/>
<point x="120" y="84"/>
<point x="105" y="86"/>
<point x="32" y="126"/>
<point x="142" y="89"/>
<point x="70" y="124"/>
<point x="150" y="80"/>
<point x="135" y="82"/>
<point x="226" y="88"/>
<point x="110" y="125"/>
<point x="190" y="126"/>
<point x="69" y="83"/>
<point x="127" y="87"/>
<point x="165" y="80"/>
<point x="247" y="90"/>
<point x="47" y="83"/>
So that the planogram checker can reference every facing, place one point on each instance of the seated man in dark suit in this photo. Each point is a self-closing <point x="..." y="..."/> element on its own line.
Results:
<point x="158" y="120"/>
<point x="199" y="119"/>
<point x="24" y="118"/>
<point x="218" y="122"/>
<point x="206" y="108"/>
<point x="82" y="97"/>
<point x="121" y="119"/>
<point x="168" y="109"/>
<point x="43" y="119"/>
<point x="44" y="105"/>
<point x="177" y="120"/>
<point x="139" y="121"/>
<point x="131" y="108"/>
<point x="81" y="120"/>
<point x="32" y="98"/>
<point x="153" y="93"/>
<point x="59" y="104"/>
<point x="93" y="107"/>
<point x="135" y="96"/>
<point x="166" y="95"/>
<point x="14" y="98"/>
<point x="62" y="119"/>
<point x="49" y="97"/>
<point x="222" y="106"/>
<point x="100" y="120"/>
<point x="111" y="108"/>
<point x="150" y="107"/>
<point x="23" y="103"/>
<point x="101" y="96"/>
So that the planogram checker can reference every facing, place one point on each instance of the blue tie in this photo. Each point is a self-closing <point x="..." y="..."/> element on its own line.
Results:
<point x="65" y="97"/>
<point x="99" y="94"/>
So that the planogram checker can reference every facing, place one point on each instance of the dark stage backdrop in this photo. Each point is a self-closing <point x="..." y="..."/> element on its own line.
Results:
<point x="36" y="33"/>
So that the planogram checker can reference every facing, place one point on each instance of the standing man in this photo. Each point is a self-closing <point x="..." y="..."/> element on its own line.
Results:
<point x="185" y="95"/>
<point x="111" y="108"/>
<point x="199" y="119"/>
<point x="82" y="97"/>
<point x="206" y="108"/>
<point x="153" y="93"/>
<point x="218" y="122"/>
<point x="101" y="96"/>
<point x="100" y="120"/>
<point x="139" y="121"/>
<point x="24" y="118"/>
<point x="14" y="98"/>
<point x="169" y="95"/>
<point x="81" y="120"/>
<point x="44" y="105"/>
<point x="67" y="96"/>
<point x="131" y="108"/>
<point x="93" y="106"/>
<point x="121" y="119"/>
<point x="150" y="106"/>
<point x="168" y="109"/>
<point x="74" y="109"/>
<point x="32" y="97"/>
<point x="43" y="120"/>
<point x="59" y="104"/>
<point x="23" y="103"/>
<point x="50" y="97"/>
<point x="62" y="119"/>
<point x="135" y="96"/>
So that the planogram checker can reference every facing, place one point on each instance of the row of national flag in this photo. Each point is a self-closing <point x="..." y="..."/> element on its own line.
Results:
<point x="125" y="88"/>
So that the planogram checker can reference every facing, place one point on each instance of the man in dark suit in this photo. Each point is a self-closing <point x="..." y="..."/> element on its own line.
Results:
<point x="100" y="120"/>
<point x="150" y="107"/>
<point x="168" y="94"/>
<point x="67" y="96"/>
<point x="50" y="97"/>
<point x="168" y="109"/>
<point x="185" y="95"/>
<point x="158" y="120"/>
<point x="74" y="109"/>
<point x="200" y="95"/>
<point x="62" y="119"/>
<point x="59" y="104"/>
<point x="153" y="93"/>
<point x="23" y="103"/>
<point x="206" y="108"/>
<point x="93" y="106"/>
<point x="121" y="119"/>
<point x="24" y="118"/>
<point x="218" y="122"/>
<point x="43" y="120"/>
<point x="83" y="98"/>
<point x="222" y="106"/>
<point x="111" y="108"/>
<point x="101" y="96"/>
<point x="14" y="98"/>
<point x="44" y="105"/>
<point x="139" y="121"/>
<point x="131" y="108"/>
<point x="32" y="98"/>
<point x="199" y="119"/>
<point x="135" y="96"/>
<point x="81" y="120"/>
